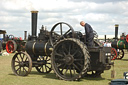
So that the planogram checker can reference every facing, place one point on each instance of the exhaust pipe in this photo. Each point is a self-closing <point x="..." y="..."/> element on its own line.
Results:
<point x="25" y="35"/>
<point x="34" y="24"/>
<point x="4" y="38"/>
<point x="116" y="31"/>
<point x="105" y="38"/>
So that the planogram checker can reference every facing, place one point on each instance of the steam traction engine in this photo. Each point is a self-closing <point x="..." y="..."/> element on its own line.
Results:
<point x="120" y="44"/>
<point x="66" y="52"/>
<point x="12" y="44"/>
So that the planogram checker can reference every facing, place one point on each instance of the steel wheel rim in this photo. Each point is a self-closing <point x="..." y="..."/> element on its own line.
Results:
<point x="69" y="70"/>
<point x="61" y="35"/>
<point x="21" y="64"/>
<point x="10" y="47"/>
<point x="120" y="54"/>
<point x="113" y="54"/>
<point x="127" y="38"/>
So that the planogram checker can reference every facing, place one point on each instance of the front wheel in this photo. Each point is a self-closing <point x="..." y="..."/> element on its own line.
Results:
<point x="11" y="46"/>
<point x="21" y="64"/>
<point x="120" y="53"/>
<point x="113" y="54"/>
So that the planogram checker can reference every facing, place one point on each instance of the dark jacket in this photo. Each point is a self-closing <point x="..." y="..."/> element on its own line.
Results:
<point x="88" y="31"/>
<point x="89" y="35"/>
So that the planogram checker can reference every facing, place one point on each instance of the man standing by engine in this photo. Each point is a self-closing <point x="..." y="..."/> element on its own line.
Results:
<point x="89" y="33"/>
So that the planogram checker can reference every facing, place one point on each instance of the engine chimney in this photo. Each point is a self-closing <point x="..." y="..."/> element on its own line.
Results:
<point x="25" y="35"/>
<point x="4" y="38"/>
<point x="105" y="38"/>
<point x="116" y="31"/>
<point x="34" y="24"/>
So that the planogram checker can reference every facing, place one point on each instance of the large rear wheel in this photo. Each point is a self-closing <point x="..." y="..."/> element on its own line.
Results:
<point x="70" y="59"/>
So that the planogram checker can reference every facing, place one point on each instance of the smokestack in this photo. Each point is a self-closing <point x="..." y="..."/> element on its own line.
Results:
<point x="34" y="24"/>
<point x="4" y="38"/>
<point x="105" y="38"/>
<point x="116" y="31"/>
<point x="25" y="35"/>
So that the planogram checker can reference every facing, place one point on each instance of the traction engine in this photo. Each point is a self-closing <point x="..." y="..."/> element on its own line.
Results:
<point x="64" y="52"/>
<point x="120" y="44"/>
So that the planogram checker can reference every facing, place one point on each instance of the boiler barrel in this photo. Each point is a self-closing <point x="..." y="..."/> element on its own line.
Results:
<point x="120" y="44"/>
<point x="38" y="48"/>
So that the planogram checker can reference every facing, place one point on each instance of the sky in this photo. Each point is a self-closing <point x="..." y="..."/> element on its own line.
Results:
<point x="102" y="15"/>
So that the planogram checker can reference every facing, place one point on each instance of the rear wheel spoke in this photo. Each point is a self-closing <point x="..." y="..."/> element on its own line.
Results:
<point x="76" y="67"/>
<point x="63" y="68"/>
<point x="70" y="72"/>
<point x="66" y="70"/>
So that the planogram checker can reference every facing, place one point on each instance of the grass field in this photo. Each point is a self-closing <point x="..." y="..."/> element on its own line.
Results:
<point x="7" y="77"/>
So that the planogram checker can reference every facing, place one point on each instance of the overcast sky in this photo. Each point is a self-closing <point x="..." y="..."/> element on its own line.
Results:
<point x="102" y="15"/>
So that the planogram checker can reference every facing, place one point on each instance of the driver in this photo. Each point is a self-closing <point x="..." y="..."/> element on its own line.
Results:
<point x="89" y="33"/>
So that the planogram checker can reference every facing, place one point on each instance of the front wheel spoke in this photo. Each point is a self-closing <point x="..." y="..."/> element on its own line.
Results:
<point x="18" y="69"/>
<point x="49" y="63"/>
<point x="17" y="65"/>
<point x="26" y="59"/>
<point x="24" y="69"/>
<point x="18" y="59"/>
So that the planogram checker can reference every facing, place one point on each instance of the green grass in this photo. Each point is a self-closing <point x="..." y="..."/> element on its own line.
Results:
<point x="7" y="77"/>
